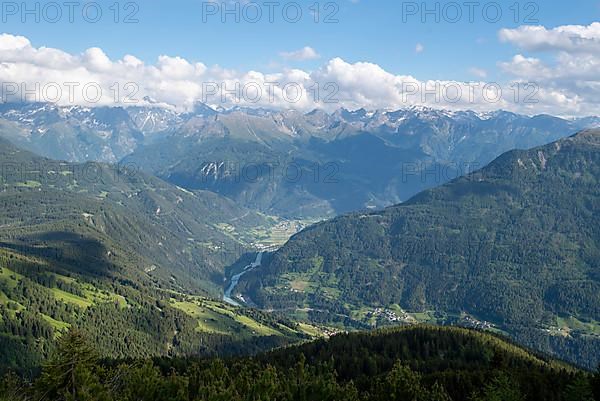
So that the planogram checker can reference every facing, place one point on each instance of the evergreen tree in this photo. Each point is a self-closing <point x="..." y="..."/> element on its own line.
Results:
<point x="502" y="388"/>
<point x="72" y="374"/>
<point x="145" y="383"/>
<point x="596" y="384"/>
<point x="12" y="388"/>
<point x="579" y="390"/>
<point x="402" y="384"/>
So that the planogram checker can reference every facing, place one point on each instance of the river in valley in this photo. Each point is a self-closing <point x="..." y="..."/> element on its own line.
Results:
<point x="236" y="279"/>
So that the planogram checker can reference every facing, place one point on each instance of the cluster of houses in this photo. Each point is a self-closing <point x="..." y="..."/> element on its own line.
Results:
<point x="390" y="316"/>
<point x="471" y="322"/>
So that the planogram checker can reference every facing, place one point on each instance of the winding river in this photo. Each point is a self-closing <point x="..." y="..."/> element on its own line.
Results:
<point x="236" y="279"/>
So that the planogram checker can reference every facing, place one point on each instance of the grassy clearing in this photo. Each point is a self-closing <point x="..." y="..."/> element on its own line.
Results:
<point x="299" y="285"/>
<point x="253" y="326"/>
<point x="568" y="324"/>
<point x="311" y="330"/>
<point x="312" y="282"/>
<point x="98" y="296"/>
<point x="58" y="325"/>
<point x="3" y="298"/>
<point x="71" y="298"/>
<point x="29" y="184"/>
<point x="92" y="295"/>
<point x="208" y="321"/>
<point x="256" y="327"/>
<point x="214" y="317"/>
<point x="9" y="277"/>
<point x="12" y="306"/>
<point x="425" y="317"/>
<point x="278" y="232"/>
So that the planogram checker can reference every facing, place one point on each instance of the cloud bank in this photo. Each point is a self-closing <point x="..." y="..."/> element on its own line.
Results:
<point x="567" y="86"/>
<point x="571" y="73"/>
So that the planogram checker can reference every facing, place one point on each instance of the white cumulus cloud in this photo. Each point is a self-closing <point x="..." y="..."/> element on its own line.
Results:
<point x="570" y="75"/>
<point x="568" y="87"/>
<point x="569" y="38"/>
<point x="306" y="53"/>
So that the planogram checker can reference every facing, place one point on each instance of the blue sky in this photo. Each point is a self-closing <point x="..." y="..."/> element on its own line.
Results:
<point x="387" y="33"/>
<point x="368" y="30"/>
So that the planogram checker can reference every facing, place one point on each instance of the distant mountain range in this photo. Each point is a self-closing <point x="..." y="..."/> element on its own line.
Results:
<point x="512" y="247"/>
<point x="80" y="134"/>
<point x="285" y="163"/>
<point x="318" y="164"/>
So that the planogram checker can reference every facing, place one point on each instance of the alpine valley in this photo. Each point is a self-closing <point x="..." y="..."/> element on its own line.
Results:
<point x="97" y="246"/>
<point x="121" y="230"/>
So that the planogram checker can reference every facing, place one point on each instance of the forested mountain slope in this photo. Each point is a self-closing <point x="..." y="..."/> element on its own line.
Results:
<point x="154" y="227"/>
<point x="516" y="244"/>
<point x="418" y="363"/>
<point x="116" y="253"/>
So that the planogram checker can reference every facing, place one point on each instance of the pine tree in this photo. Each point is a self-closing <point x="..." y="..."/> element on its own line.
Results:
<point x="72" y="373"/>
<point x="403" y="384"/>
<point x="501" y="388"/>
<point x="596" y="384"/>
<point x="579" y="390"/>
<point x="12" y="388"/>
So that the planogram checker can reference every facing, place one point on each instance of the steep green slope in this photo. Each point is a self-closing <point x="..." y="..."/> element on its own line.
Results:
<point x="144" y="223"/>
<point x="115" y="252"/>
<point x="123" y="319"/>
<point x="516" y="244"/>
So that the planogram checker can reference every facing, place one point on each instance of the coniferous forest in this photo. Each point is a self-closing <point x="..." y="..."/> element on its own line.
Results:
<point x="420" y="363"/>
